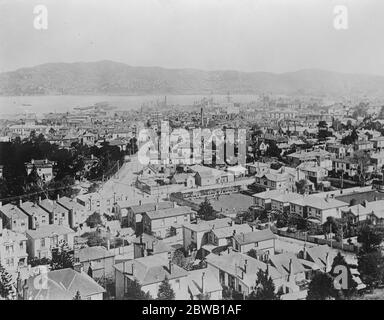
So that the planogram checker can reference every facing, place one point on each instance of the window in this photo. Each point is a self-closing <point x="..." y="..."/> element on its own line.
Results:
<point x="42" y="243"/>
<point x="178" y="283"/>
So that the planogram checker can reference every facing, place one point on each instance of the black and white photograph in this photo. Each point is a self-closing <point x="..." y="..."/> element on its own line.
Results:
<point x="208" y="151"/>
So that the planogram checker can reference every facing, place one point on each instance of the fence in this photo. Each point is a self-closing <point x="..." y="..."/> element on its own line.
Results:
<point x="304" y="237"/>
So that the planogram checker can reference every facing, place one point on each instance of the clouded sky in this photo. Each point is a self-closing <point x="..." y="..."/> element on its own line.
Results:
<point x="247" y="35"/>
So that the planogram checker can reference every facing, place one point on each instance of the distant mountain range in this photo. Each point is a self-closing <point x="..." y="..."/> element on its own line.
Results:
<point x="113" y="78"/>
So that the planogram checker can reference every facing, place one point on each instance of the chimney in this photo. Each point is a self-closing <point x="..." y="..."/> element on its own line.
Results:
<point x="173" y="204"/>
<point x="202" y="282"/>
<point x="139" y="202"/>
<point x="58" y="197"/>
<point x="170" y="266"/>
<point x="156" y="207"/>
<point x="39" y="199"/>
<point x="290" y="270"/>
<point x="25" y="290"/>
<point x="245" y="265"/>
<point x="108" y="244"/>
<point x="20" y="202"/>
<point x="1" y="204"/>
<point x="365" y="203"/>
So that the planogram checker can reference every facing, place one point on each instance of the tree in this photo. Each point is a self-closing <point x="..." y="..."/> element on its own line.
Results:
<point x="371" y="268"/>
<point x="265" y="288"/>
<point x="94" y="220"/>
<point x="370" y="258"/>
<point x="331" y="226"/>
<point x="273" y="150"/>
<point x="302" y="186"/>
<point x="62" y="258"/>
<point x="134" y="292"/>
<point x="351" y="284"/>
<point x="6" y="284"/>
<point x="165" y="291"/>
<point x="206" y="211"/>
<point x="178" y="258"/>
<point x="370" y="238"/>
<point x="77" y="296"/>
<point x="321" y="287"/>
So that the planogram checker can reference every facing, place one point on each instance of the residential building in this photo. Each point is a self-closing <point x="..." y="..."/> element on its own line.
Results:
<point x="13" y="218"/>
<point x="45" y="238"/>
<point x="96" y="261"/>
<point x="159" y="222"/>
<point x="62" y="284"/>
<point x="57" y="214"/>
<point x="13" y="250"/>
<point x="239" y="271"/>
<point x="204" y="283"/>
<point x="44" y="168"/>
<point x="37" y="217"/>
<point x="259" y="240"/>
<point x="78" y="214"/>
<point x="195" y="235"/>
<point x="150" y="271"/>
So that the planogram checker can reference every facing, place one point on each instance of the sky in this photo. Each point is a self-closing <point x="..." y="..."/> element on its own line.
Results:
<point x="245" y="35"/>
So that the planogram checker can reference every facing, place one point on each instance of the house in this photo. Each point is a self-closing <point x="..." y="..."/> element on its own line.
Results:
<point x="44" y="168"/>
<point x="206" y="176"/>
<point x="224" y="236"/>
<point x="283" y="179"/>
<point x="135" y="213"/>
<point x="195" y="235"/>
<point x="237" y="171"/>
<point x="204" y="283"/>
<point x="257" y="168"/>
<point x="378" y="143"/>
<point x="13" y="250"/>
<point x="281" y="202"/>
<point x="78" y="214"/>
<point x="150" y="271"/>
<point x="320" y="156"/>
<point x="185" y="179"/>
<point x="159" y="222"/>
<point x="317" y="207"/>
<point x="372" y="212"/>
<point x="239" y="271"/>
<point x="263" y="199"/>
<point x="147" y="245"/>
<point x="293" y="271"/>
<point x="13" y="218"/>
<point x="45" y="238"/>
<point x="61" y="284"/>
<point x="313" y="172"/>
<point x="259" y="239"/>
<point x="37" y="217"/>
<point x="96" y="261"/>
<point x="57" y="214"/>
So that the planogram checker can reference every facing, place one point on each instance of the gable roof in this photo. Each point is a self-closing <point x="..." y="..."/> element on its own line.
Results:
<point x="48" y="231"/>
<point x="63" y="285"/>
<point x="150" y="269"/>
<point x="255" y="236"/>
